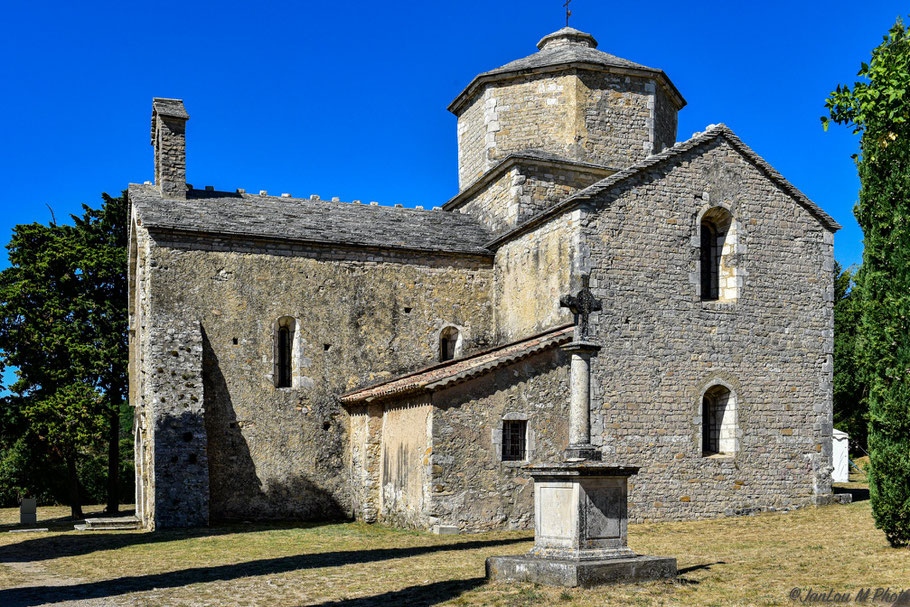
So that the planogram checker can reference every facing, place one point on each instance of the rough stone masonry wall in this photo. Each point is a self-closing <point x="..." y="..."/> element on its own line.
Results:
<point x="176" y="432"/>
<point x="524" y="190"/>
<point x="528" y="113"/>
<point x="665" y="119"/>
<point x="170" y="152"/>
<point x="663" y="346"/>
<point x="609" y="119"/>
<point x="365" y="444"/>
<point x="471" y="488"/>
<point x="167" y="393"/>
<point x="496" y="204"/>
<point x="532" y="272"/>
<point x="618" y="118"/>
<point x="361" y="316"/>
<point x="139" y="345"/>
<point x="539" y="187"/>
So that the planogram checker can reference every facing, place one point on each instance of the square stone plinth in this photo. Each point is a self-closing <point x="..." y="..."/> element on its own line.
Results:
<point x="581" y="573"/>
<point x="580" y="510"/>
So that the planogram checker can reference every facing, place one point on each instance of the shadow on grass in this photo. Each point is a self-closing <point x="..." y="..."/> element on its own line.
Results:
<point x="690" y="582"/>
<point x="65" y="523"/>
<point x="413" y="596"/>
<point x="37" y="595"/>
<point x="76" y="544"/>
<point x="699" y="567"/>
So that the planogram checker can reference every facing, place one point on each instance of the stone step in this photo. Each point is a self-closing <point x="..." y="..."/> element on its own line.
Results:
<point x="112" y="523"/>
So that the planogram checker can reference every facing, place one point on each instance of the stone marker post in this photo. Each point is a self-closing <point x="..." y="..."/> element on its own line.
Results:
<point x="580" y="504"/>
<point x="28" y="511"/>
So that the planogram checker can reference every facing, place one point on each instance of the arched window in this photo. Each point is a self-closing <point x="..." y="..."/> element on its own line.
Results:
<point x="718" y="243"/>
<point x="284" y="352"/>
<point x="449" y="343"/>
<point x="718" y="418"/>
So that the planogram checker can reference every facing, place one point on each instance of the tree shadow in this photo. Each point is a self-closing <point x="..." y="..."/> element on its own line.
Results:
<point x="698" y="567"/>
<point x="76" y="544"/>
<point x="413" y="596"/>
<point x="37" y="595"/>
<point x="66" y="522"/>
<point x="690" y="582"/>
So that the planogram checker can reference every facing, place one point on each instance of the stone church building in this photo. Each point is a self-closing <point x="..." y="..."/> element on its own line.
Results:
<point x="313" y="359"/>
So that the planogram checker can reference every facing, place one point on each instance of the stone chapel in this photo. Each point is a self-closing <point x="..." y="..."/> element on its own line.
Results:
<point x="316" y="359"/>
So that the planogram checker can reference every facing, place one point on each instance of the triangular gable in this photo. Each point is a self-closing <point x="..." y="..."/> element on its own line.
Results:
<point x="712" y="133"/>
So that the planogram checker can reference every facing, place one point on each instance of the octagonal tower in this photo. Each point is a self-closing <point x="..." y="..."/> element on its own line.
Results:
<point x="569" y="100"/>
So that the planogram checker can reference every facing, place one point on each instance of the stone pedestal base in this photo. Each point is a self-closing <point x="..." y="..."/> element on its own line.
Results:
<point x="580" y="522"/>
<point x="583" y="573"/>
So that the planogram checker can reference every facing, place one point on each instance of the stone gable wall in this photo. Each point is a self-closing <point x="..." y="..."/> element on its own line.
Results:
<point x="361" y="316"/>
<point x="663" y="346"/>
<point x="471" y="488"/>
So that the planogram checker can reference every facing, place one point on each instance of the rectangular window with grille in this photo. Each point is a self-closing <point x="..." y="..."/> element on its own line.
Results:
<point x="514" y="440"/>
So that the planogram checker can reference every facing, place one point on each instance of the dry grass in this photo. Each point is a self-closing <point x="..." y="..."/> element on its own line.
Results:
<point x="752" y="560"/>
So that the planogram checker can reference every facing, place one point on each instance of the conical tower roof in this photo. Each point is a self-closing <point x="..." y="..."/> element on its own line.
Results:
<point x="565" y="48"/>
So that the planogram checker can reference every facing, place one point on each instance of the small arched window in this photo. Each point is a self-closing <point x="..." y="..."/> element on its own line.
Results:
<point x="285" y="329"/>
<point x="718" y="418"/>
<point x="449" y="344"/>
<point x="718" y="244"/>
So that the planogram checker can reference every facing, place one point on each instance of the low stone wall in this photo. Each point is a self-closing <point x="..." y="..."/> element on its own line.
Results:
<point x="472" y="488"/>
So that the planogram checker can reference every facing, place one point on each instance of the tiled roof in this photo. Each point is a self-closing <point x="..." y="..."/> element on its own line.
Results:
<point x="712" y="132"/>
<point x="455" y="371"/>
<point x="315" y="221"/>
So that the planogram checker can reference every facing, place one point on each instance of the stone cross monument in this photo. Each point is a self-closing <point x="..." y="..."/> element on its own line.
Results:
<point x="581" y="350"/>
<point x="581" y="503"/>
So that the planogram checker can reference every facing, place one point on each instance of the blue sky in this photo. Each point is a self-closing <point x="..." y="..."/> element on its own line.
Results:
<point x="348" y="98"/>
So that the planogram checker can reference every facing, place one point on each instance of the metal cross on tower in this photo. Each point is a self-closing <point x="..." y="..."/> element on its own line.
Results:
<point x="582" y="304"/>
<point x="568" y="12"/>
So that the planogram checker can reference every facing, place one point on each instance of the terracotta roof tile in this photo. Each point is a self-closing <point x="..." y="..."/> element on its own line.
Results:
<point x="452" y="372"/>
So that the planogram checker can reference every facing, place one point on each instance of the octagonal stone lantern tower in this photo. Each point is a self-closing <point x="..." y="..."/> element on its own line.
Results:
<point x="581" y="503"/>
<point x="569" y="100"/>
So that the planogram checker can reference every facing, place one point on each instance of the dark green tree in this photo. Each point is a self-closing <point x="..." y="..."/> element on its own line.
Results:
<point x="850" y="407"/>
<point x="63" y="317"/>
<point x="878" y="108"/>
<point x="102" y="240"/>
<point x="40" y="315"/>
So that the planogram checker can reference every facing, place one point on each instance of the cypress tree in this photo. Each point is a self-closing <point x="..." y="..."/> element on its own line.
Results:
<point x="878" y="108"/>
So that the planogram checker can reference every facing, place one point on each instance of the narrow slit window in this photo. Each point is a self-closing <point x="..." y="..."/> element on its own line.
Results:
<point x="284" y="352"/>
<point x="514" y="440"/>
<point x="710" y="262"/>
<point x="284" y="357"/>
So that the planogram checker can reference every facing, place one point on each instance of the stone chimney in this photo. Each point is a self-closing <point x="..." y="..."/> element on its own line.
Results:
<point x="169" y="140"/>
